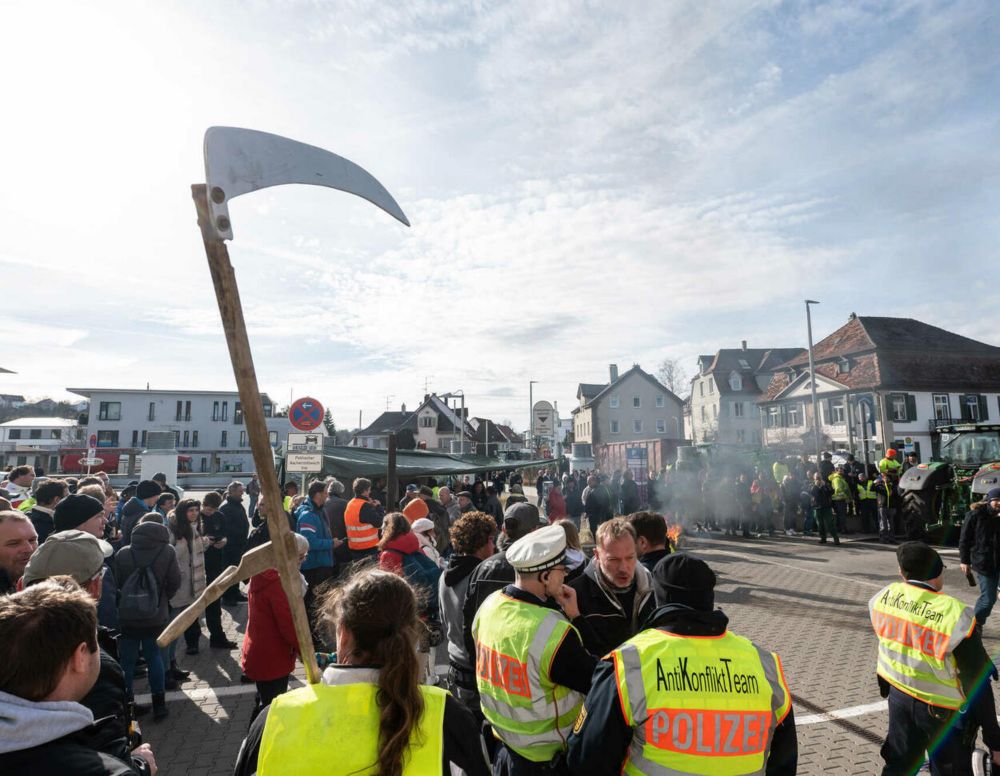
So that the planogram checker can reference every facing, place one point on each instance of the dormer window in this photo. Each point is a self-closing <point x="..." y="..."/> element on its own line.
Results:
<point x="844" y="366"/>
<point x="735" y="381"/>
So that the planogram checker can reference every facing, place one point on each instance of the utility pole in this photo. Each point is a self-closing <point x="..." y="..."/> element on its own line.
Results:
<point x="531" y="409"/>
<point x="812" y="377"/>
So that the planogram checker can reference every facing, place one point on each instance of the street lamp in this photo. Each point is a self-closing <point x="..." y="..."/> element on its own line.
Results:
<point x="531" y="411"/>
<point x="812" y="377"/>
<point x="461" y="418"/>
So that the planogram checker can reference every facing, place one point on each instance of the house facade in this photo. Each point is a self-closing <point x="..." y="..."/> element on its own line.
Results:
<point x="36" y="442"/>
<point x="434" y="424"/>
<point x="882" y="382"/>
<point x="630" y="407"/>
<point x="723" y="407"/>
<point x="207" y="425"/>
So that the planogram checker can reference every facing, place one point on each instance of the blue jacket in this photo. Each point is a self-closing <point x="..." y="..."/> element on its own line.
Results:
<point x="311" y="523"/>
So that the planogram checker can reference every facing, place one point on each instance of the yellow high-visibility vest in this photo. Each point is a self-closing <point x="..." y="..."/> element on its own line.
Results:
<point x="515" y="644"/>
<point x="700" y="705"/>
<point x="309" y="728"/>
<point x="918" y="630"/>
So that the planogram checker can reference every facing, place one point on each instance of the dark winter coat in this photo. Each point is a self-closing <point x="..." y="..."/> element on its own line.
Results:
<point x="979" y="544"/>
<point x="236" y="526"/>
<point x="493" y="574"/>
<point x="150" y="546"/>
<point x="629" y="492"/>
<point x="452" y="588"/>
<point x="43" y="522"/>
<point x="609" y="624"/>
<point x="334" y="511"/>
<point x="132" y="512"/>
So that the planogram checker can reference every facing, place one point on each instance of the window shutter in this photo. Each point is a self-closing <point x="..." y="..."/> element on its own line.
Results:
<point x="984" y="412"/>
<point x="911" y="407"/>
<point x="963" y="406"/>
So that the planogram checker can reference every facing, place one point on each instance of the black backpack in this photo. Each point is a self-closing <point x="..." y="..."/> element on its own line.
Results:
<point x="140" y="593"/>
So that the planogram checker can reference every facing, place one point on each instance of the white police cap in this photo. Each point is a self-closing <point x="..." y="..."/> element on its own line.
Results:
<point x="538" y="551"/>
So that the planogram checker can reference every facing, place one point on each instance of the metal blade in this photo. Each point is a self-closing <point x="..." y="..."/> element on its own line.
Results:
<point x="238" y="161"/>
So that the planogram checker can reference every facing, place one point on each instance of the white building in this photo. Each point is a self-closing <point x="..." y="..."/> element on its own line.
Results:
<point x="882" y="382"/>
<point x="36" y="442"/>
<point x="207" y="425"/>
<point x="434" y="425"/>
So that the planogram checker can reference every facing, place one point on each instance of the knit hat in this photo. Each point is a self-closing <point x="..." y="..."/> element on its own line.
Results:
<point x="993" y="495"/>
<point x="147" y="489"/>
<point x="415" y="509"/>
<point x="422" y="525"/>
<point x="425" y="490"/>
<point x="75" y="510"/>
<point x="919" y="561"/>
<point x="683" y="579"/>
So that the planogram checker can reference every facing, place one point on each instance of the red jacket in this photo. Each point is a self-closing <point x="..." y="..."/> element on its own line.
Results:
<point x="407" y="544"/>
<point x="269" y="644"/>
<point x="556" y="506"/>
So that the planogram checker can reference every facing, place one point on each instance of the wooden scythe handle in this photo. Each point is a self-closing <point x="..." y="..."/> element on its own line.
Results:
<point x="228" y="296"/>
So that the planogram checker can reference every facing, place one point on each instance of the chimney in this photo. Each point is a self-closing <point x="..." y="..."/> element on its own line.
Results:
<point x="744" y="344"/>
<point x="852" y="316"/>
<point x="613" y="371"/>
<point x="402" y="407"/>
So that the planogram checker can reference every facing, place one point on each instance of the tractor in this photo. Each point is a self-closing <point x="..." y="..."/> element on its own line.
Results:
<point x="938" y="493"/>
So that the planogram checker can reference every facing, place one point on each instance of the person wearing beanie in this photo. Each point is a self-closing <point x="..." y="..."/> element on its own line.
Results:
<point x="86" y="513"/>
<point x="932" y="667"/>
<point x="685" y="665"/>
<point x="979" y="551"/>
<point x="424" y="530"/>
<point x="144" y="500"/>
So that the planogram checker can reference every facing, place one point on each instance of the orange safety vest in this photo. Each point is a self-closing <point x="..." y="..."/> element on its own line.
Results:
<point x="360" y="536"/>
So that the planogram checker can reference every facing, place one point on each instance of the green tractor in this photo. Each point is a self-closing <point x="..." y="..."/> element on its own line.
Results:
<point x="939" y="493"/>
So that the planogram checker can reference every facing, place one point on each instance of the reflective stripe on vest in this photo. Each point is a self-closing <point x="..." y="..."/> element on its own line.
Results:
<point x="307" y="727"/>
<point x="699" y="705"/>
<point x="516" y="642"/>
<point x="360" y="536"/>
<point x="918" y="630"/>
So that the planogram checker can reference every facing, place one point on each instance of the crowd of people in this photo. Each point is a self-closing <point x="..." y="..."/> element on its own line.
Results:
<point x="557" y="662"/>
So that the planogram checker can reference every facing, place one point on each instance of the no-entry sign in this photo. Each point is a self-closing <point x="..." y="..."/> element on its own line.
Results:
<point x="305" y="414"/>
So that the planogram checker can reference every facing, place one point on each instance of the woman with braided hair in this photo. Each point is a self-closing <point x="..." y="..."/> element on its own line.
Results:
<point x="370" y="716"/>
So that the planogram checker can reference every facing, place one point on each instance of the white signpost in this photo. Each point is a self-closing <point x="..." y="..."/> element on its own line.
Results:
<point x="304" y="454"/>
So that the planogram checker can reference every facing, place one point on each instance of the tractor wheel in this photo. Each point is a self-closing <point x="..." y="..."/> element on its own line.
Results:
<point x="917" y="507"/>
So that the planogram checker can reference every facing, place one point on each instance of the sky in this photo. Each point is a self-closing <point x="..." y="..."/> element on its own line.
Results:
<point x="587" y="183"/>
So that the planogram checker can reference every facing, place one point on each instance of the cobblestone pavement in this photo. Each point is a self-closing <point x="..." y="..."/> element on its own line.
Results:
<point x="805" y="601"/>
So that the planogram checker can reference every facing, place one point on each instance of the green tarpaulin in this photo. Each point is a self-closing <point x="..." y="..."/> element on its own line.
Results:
<point x="346" y="463"/>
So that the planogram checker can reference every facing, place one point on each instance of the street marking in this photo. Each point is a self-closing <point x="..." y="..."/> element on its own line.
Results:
<point x="758" y="559"/>
<point x="212" y="694"/>
<point x="850" y="711"/>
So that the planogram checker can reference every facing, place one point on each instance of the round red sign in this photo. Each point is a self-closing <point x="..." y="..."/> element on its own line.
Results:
<point x="305" y="414"/>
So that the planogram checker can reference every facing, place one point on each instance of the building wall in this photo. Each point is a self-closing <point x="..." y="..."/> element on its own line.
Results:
<point x="42" y="451"/>
<point x="583" y="430"/>
<point x="705" y="409"/>
<point x="625" y="414"/>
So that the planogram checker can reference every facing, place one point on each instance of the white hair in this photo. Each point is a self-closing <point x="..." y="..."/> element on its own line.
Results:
<point x="301" y="543"/>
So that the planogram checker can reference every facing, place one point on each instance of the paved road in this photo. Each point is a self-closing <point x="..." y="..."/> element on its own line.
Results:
<point x="806" y="601"/>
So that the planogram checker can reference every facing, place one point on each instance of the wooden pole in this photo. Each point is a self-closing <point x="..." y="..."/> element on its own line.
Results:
<point x="391" y="485"/>
<point x="228" y="296"/>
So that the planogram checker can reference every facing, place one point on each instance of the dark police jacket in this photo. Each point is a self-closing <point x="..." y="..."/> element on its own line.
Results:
<point x="601" y="738"/>
<point x="979" y="545"/>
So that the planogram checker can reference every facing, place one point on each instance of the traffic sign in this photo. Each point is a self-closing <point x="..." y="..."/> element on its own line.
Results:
<point x="304" y="463"/>
<point x="91" y="461"/>
<point x="305" y="443"/>
<point x="92" y="441"/>
<point x="305" y="414"/>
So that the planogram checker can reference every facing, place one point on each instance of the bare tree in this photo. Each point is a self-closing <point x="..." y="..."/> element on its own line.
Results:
<point x="673" y="376"/>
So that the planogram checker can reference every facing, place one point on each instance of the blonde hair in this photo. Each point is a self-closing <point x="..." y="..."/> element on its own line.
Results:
<point x="613" y="530"/>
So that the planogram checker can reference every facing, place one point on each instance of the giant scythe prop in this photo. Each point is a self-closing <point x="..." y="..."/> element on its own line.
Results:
<point x="238" y="161"/>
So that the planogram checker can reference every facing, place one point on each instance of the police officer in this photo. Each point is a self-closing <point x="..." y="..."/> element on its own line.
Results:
<point x="889" y="465"/>
<point x="686" y="695"/>
<point x="930" y="661"/>
<point x="867" y="500"/>
<point x="532" y="670"/>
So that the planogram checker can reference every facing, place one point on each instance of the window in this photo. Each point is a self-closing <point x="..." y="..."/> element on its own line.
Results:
<point x="843" y="366"/>
<point x="614" y="427"/>
<point x="109" y="410"/>
<point x="187" y="410"/>
<point x="974" y="407"/>
<point x="636" y="426"/>
<point x="204" y="464"/>
<point x="194" y="439"/>
<point x="152" y="410"/>
<point x="267" y="410"/>
<point x="272" y="437"/>
<point x="744" y="364"/>
<point x="225" y="410"/>
<point x="837" y="414"/>
<point x="704" y="414"/>
<point x="34" y="433"/>
<point x="238" y="414"/>
<point x="636" y="402"/>
<point x="177" y="439"/>
<point x="187" y="439"/>
<point x="243" y="439"/>
<point x="793" y="415"/>
<point x="942" y="406"/>
<point x="143" y="442"/>
<point x="659" y="400"/>
<point x="427" y="421"/>
<point x="737" y="409"/>
<point x="773" y="417"/>
<point x="135" y="438"/>
<point x="711" y="385"/>
<point x="701" y="389"/>
<point x="903" y="407"/>
<point x="14" y="433"/>
<point x="613" y="402"/>
<point x="215" y="410"/>
<point x="735" y="382"/>
<point x="108" y="438"/>
<point x="661" y="426"/>
<point x="224" y="439"/>
<point x="180" y="410"/>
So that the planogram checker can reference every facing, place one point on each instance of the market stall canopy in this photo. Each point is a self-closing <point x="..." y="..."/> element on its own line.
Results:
<point x="345" y="463"/>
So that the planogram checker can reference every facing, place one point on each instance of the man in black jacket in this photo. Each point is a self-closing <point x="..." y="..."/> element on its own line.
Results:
<point x="979" y="550"/>
<point x="236" y="527"/>
<point x="333" y="510"/>
<point x="47" y="496"/>
<point x="602" y="739"/>
<point x="597" y="502"/>
<point x="144" y="500"/>
<point x="651" y="541"/>
<point x="615" y="592"/>
<point x="44" y="726"/>
<point x="213" y="526"/>
<point x="629" y="493"/>
<point x="81" y="556"/>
